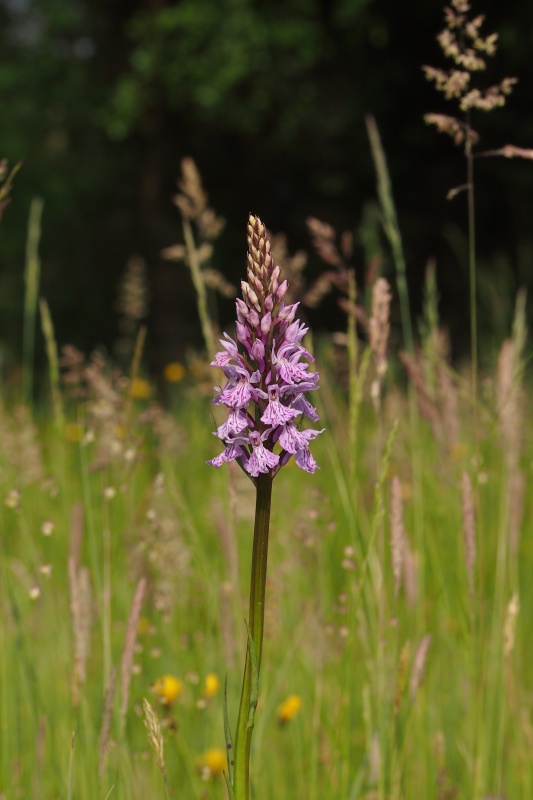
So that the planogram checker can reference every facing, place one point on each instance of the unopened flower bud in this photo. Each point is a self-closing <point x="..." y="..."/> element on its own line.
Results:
<point x="253" y="299"/>
<point x="274" y="278"/>
<point x="242" y="308"/>
<point x="266" y="323"/>
<point x="281" y="290"/>
<point x="243" y="335"/>
<point x="253" y="318"/>
<point x="288" y="313"/>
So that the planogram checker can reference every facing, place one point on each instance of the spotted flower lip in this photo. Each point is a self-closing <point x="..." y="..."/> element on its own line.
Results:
<point x="236" y="422"/>
<point x="276" y="413"/>
<point x="267" y="373"/>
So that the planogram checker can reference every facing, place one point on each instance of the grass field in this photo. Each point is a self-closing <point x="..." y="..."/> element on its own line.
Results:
<point x="397" y="653"/>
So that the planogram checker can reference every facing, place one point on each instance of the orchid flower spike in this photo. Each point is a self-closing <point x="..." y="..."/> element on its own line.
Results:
<point x="267" y="372"/>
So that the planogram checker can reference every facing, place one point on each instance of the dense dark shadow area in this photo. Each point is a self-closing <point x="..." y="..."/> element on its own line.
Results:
<point x="102" y="100"/>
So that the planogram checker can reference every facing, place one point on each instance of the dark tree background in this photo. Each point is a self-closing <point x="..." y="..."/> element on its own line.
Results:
<point x="101" y="100"/>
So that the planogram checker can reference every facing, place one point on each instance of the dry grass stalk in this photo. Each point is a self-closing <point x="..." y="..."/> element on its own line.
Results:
<point x="192" y="200"/>
<point x="201" y="227"/>
<point x="461" y="42"/>
<point x="106" y="721"/>
<point x="192" y="203"/>
<point x="426" y="403"/>
<point x="323" y="238"/>
<point x="459" y="131"/>
<point x="155" y="736"/>
<point x="508" y="403"/>
<point x="403" y="559"/>
<point x="129" y="649"/>
<point x="378" y="331"/>
<point x="419" y="666"/>
<point x="342" y="272"/>
<point x="469" y="527"/>
<point x="449" y="403"/>
<point x="132" y="306"/>
<point x="80" y="610"/>
<point x="510" y="151"/>
<point x="133" y="298"/>
<point x="72" y="362"/>
<point x="436" y="390"/>
<point x="76" y="532"/>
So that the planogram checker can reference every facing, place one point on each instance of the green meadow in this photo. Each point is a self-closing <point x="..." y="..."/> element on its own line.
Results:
<point x="397" y="647"/>
<point x="397" y="652"/>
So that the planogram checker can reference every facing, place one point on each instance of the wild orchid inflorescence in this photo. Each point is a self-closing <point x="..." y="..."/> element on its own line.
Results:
<point x="267" y="371"/>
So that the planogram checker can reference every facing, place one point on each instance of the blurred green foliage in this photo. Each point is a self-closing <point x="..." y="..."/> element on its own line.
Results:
<point x="101" y="101"/>
<point x="228" y="62"/>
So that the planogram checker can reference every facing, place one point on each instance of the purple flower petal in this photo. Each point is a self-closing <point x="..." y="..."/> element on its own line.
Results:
<point x="238" y="392"/>
<point x="261" y="460"/>
<point x="236" y="422"/>
<point x="276" y="413"/>
<point x="225" y="356"/>
<point x="303" y="405"/>
<point x="231" y="452"/>
<point x="292" y="440"/>
<point x="287" y="366"/>
<point x="305" y="460"/>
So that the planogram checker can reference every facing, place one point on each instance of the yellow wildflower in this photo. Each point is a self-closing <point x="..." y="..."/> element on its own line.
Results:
<point x="73" y="432"/>
<point x="174" y="372"/>
<point x="213" y="762"/>
<point x="289" y="708"/>
<point x="211" y="685"/>
<point x="143" y="626"/>
<point x="140" y="389"/>
<point x="168" y="688"/>
<point x="120" y="431"/>
<point x="459" y="451"/>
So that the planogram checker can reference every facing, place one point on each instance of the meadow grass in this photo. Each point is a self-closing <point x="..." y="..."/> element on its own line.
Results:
<point x="413" y="679"/>
<point x="396" y="643"/>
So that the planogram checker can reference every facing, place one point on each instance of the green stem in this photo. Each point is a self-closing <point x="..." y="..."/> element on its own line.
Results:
<point x="199" y="286"/>
<point x="392" y="229"/>
<point x="353" y="402"/>
<point x="243" y="739"/>
<point x="472" y="274"/>
<point x="32" y="273"/>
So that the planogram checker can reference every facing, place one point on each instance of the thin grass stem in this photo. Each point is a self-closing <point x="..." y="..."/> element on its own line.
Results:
<point x="392" y="229"/>
<point x="199" y="286"/>
<point x="31" y="280"/>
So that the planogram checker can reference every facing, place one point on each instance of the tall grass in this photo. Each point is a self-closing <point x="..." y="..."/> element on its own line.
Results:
<point x="407" y="687"/>
<point x="397" y="650"/>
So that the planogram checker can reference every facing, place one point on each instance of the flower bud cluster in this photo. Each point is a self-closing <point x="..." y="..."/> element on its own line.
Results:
<point x="267" y="372"/>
